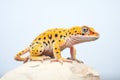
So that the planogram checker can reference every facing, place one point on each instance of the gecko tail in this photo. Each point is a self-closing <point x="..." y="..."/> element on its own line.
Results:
<point x="19" y="54"/>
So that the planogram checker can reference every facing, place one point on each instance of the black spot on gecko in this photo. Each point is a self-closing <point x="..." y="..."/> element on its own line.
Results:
<point x="20" y="53"/>
<point x="39" y="38"/>
<point x="37" y="42"/>
<point x="59" y="31"/>
<point x="56" y="35"/>
<point x="45" y="43"/>
<point x="55" y="48"/>
<point x="75" y="31"/>
<point x="53" y="41"/>
<point x="32" y="47"/>
<point x="59" y="40"/>
<point x="48" y="42"/>
<point x="36" y="50"/>
<point x="44" y="38"/>
<point x="50" y="36"/>
<point x="40" y="51"/>
<point x="83" y="34"/>
<point x="66" y="34"/>
<point x="69" y="32"/>
<point x="57" y="52"/>
<point x="60" y="36"/>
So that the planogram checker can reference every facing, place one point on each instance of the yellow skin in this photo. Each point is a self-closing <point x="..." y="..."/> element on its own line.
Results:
<point x="50" y="43"/>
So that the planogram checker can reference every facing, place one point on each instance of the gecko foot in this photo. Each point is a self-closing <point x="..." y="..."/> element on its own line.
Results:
<point x="61" y="60"/>
<point x="39" y="58"/>
<point x="26" y="59"/>
<point x="79" y="61"/>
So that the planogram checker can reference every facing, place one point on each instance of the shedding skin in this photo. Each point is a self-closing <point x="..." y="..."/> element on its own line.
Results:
<point x="50" y="43"/>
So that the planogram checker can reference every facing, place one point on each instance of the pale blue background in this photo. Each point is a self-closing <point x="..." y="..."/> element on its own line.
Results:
<point x="22" y="20"/>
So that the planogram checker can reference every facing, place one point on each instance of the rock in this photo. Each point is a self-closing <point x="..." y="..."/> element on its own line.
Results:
<point x="36" y="70"/>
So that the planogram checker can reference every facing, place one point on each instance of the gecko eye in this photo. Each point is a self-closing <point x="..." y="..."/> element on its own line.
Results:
<point x="84" y="29"/>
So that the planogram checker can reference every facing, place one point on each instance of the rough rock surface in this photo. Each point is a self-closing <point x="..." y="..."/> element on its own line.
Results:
<point x="36" y="70"/>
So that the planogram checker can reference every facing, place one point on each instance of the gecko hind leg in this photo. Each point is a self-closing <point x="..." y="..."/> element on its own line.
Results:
<point x="39" y="58"/>
<point x="36" y="52"/>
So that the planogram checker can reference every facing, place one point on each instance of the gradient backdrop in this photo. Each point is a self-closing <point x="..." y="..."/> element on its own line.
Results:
<point x="22" y="20"/>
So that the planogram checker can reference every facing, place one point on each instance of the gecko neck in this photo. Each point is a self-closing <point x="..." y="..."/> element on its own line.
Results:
<point x="75" y="39"/>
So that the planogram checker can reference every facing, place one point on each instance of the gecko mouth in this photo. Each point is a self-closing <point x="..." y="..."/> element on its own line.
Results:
<point x="88" y="38"/>
<point x="83" y="38"/>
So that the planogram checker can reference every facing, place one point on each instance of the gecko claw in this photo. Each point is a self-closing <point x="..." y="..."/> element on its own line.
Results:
<point x="26" y="59"/>
<point x="79" y="61"/>
<point x="61" y="60"/>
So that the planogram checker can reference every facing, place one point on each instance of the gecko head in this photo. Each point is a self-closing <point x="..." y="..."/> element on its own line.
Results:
<point x="88" y="33"/>
<point x="84" y="34"/>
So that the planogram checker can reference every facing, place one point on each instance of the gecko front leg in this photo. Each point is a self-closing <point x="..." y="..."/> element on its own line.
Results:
<point x="57" y="52"/>
<point x="73" y="55"/>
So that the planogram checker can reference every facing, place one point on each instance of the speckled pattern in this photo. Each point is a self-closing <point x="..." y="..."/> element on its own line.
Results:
<point x="50" y="43"/>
